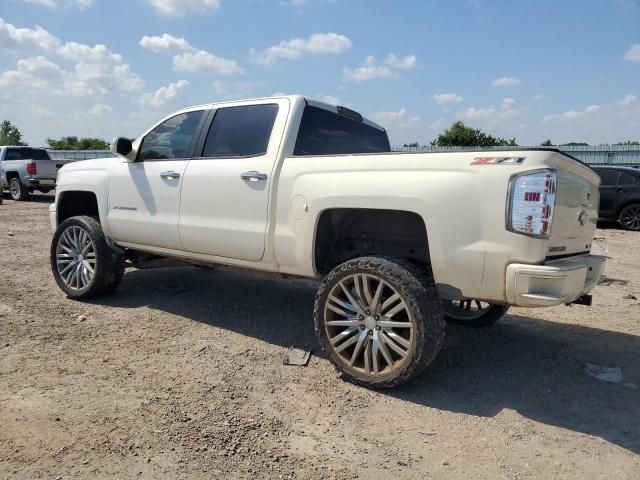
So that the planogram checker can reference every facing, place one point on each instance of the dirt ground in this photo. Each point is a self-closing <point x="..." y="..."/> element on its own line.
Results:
<point x="179" y="375"/>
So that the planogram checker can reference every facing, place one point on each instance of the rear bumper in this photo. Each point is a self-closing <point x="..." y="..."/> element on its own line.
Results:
<point x="44" y="182"/>
<point x="554" y="283"/>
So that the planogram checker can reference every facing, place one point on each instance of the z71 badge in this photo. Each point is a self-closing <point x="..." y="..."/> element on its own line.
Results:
<point x="498" y="160"/>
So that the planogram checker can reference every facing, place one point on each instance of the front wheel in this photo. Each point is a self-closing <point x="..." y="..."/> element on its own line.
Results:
<point x="17" y="190"/>
<point x="629" y="217"/>
<point x="379" y="320"/>
<point x="473" y="313"/>
<point x="82" y="263"/>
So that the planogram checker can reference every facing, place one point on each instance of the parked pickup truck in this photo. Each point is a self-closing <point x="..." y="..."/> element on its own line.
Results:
<point x="401" y="241"/>
<point x="25" y="169"/>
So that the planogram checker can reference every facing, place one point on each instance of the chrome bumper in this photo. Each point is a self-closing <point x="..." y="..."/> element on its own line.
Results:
<point x="554" y="283"/>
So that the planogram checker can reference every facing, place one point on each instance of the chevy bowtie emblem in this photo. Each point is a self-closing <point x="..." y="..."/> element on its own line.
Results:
<point x="583" y="216"/>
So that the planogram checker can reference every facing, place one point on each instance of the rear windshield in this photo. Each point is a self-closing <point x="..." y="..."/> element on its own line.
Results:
<point x="26" y="154"/>
<point x="326" y="133"/>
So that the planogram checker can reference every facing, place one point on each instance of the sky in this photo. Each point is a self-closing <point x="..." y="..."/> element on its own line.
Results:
<point x="531" y="69"/>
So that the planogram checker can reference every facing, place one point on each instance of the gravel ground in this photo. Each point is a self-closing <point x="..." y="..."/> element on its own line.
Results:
<point x="179" y="375"/>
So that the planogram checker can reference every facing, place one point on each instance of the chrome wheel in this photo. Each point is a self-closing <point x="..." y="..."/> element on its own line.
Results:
<point x="465" y="309"/>
<point x="630" y="217"/>
<point x="76" y="258"/>
<point x="14" y="190"/>
<point x="369" y="326"/>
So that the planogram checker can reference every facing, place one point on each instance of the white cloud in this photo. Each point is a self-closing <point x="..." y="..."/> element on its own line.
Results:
<point x="506" y="82"/>
<point x="165" y="44"/>
<point x="330" y="99"/>
<point x="62" y="3"/>
<point x="573" y="114"/>
<point x="26" y="39"/>
<point x="628" y="100"/>
<point x="447" y="98"/>
<point x="99" y="110"/>
<point x="203" y="61"/>
<point x="473" y="113"/>
<point x="633" y="54"/>
<point x="317" y="43"/>
<point x="163" y="95"/>
<point x="32" y="74"/>
<point x="371" y="69"/>
<point x="508" y="103"/>
<point x="509" y="109"/>
<point x="538" y="97"/>
<point x="406" y="63"/>
<point x="179" y="8"/>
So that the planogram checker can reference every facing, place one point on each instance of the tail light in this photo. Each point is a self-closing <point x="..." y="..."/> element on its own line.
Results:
<point x="31" y="168"/>
<point x="532" y="200"/>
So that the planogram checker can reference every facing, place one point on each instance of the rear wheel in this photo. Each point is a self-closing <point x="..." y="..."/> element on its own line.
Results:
<point x="629" y="217"/>
<point x="17" y="190"/>
<point x="82" y="263"/>
<point x="379" y="320"/>
<point x="472" y="313"/>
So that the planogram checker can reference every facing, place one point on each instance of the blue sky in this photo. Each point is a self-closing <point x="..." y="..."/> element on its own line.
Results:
<point x="565" y="70"/>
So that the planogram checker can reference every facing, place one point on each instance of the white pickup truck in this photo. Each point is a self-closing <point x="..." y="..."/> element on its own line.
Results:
<point x="288" y="185"/>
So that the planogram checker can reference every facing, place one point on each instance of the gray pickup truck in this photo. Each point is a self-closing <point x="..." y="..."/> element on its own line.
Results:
<point x="26" y="169"/>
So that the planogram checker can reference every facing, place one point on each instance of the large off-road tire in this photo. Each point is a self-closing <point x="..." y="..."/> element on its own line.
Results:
<point x="629" y="217"/>
<point x="379" y="320"/>
<point x="473" y="313"/>
<point x="82" y="263"/>
<point x="17" y="190"/>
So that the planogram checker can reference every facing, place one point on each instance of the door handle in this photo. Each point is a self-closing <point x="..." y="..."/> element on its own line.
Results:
<point x="253" y="176"/>
<point x="169" y="175"/>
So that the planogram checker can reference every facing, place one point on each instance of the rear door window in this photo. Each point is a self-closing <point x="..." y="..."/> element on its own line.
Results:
<point x="626" y="179"/>
<point x="240" y="131"/>
<point x="609" y="177"/>
<point x="26" y="154"/>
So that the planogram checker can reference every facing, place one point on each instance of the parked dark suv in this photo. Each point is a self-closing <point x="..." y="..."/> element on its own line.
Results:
<point x="620" y="196"/>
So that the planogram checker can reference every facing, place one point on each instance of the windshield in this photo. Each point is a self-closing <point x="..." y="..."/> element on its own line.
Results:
<point x="26" y="154"/>
<point x="326" y="133"/>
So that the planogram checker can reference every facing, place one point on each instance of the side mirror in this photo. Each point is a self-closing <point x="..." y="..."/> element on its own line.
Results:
<point x="122" y="147"/>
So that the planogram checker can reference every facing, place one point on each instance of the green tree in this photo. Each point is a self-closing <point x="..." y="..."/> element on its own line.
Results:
<point x="547" y="143"/>
<point x="9" y="134"/>
<point x="75" y="143"/>
<point x="575" y="144"/>
<point x="412" y="145"/>
<point x="628" y="142"/>
<point x="459" y="135"/>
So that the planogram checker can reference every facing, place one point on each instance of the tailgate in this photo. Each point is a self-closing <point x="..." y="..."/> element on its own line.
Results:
<point x="48" y="168"/>
<point x="576" y="212"/>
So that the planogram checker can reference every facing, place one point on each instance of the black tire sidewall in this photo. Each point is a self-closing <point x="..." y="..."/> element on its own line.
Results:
<point x="620" y="217"/>
<point x="491" y="316"/>
<point x="104" y="258"/>
<point x="23" y="192"/>
<point x="420" y="295"/>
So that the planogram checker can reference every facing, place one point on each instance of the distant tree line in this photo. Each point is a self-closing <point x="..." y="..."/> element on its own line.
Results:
<point x="11" y="135"/>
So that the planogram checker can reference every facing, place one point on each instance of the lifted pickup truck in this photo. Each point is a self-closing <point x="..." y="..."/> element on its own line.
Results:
<point x="25" y="169"/>
<point x="401" y="241"/>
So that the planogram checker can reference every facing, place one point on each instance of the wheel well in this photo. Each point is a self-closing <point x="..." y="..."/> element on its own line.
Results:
<point x="72" y="204"/>
<point x="11" y="175"/>
<point x="346" y="233"/>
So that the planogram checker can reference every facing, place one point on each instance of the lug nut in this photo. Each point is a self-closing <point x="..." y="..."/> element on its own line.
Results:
<point x="361" y="327"/>
<point x="377" y="317"/>
<point x="361" y="317"/>
<point x="368" y="312"/>
<point x="378" y="328"/>
<point x="370" y="332"/>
